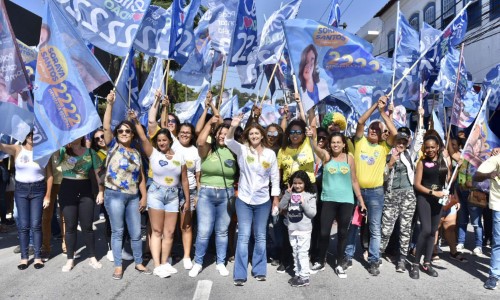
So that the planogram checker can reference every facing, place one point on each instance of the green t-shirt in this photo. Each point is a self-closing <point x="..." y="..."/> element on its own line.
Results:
<point x="211" y="172"/>
<point x="78" y="167"/>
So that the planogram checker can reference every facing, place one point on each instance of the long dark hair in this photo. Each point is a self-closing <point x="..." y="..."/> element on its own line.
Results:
<point x="130" y="125"/>
<point x="192" y="141"/>
<point x="302" y="175"/>
<point x="69" y="150"/>
<point x="286" y="136"/>
<point x="255" y="125"/>
<point x="303" y="63"/>
<point x="219" y="127"/>
<point x="164" y="131"/>
<point x="93" y="143"/>
<point x="443" y="167"/>
<point x="328" y="145"/>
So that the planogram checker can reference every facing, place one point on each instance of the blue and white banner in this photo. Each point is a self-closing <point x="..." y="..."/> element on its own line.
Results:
<point x="492" y="82"/>
<point x="458" y="109"/>
<point x="127" y="92"/>
<point x="63" y="108"/>
<point x="327" y="59"/>
<point x="244" y="39"/>
<point x="182" y="37"/>
<point x="147" y="93"/>
<point x="223" y="22"/>
<point x="153" y="35"/>
<point x="447" y="76"/>
<point x="229" y="107"/>
<point x="186" y="110"/>
<point x="272" y="39"/>
<point x="438" y="125"/>
<point x="465" y="110"/>
<point x="110" y="25"/>
<point x="334" y="17"/>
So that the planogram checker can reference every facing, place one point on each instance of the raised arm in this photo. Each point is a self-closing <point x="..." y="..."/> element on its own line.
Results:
<point x="164" y="112"/>
<point x="146" y="144"/>
<point x="381" y="103"/>
<point x="321" y="153"/>
<point x="106" y="120"/>
<point x="203" y="117"/>
<point x="153" y="112"/>
<point x="203" y="146"/>
<point x="360" y="128"/>
<point x="10" y="149"/>
<point x="284" y="120"/>
<point x="234" y="124"/>
<point x="302" y="114"/>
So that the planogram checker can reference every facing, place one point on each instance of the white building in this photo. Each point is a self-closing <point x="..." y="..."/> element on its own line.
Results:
<point x="482" y="42"/>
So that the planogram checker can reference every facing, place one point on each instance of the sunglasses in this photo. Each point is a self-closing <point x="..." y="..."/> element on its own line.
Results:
<point x="185" y="132"/>
<point x="321" y="137"/>
<point x="272" y="133"/>
<point x="297" y="132"/>
<point x="171" y="121"/>
<point x="100" y="137"/>
<point x="121" y="131"/>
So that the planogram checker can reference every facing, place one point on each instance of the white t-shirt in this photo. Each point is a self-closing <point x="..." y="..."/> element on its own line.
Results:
<point x="193" y="163"/>
<point x="166" y="172"/>
<point x="488" y="166"/>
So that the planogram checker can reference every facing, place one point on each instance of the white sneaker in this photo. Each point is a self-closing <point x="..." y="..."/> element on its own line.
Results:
<point x="110" y="256"/>
<point x="195" y="270"/>
<point x="340" y="272"/>
<point x="168" y="267"/>
<point x="94" y="228"/>
<point x="161" y="272"/>
<point x="78" y="228"/>
<point x="188" y="265"/>
<point x="460" y="247"/>
<point x="478" y="252"/>
<point x="126" y="255"/>
<point x="222" y="270"/>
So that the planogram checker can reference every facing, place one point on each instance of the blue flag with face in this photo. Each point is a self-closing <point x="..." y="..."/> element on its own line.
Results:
<point x="245" y="34"/>
<point x="334" y="17"/>
<point x="110" y="25"/>
<point x="127" y="91"/>
<point x="327" y="59"/>
<point x="492" y="82"/>
<point x="466" y="108"/>
<point x="222" y="23"/>
<point x="272" y="39"/>
<point x="153" y="35"/>
<point x="182" y="37"/>
<point x="63" y="108"/>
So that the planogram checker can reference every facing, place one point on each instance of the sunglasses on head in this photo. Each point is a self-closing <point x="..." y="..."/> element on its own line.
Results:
<point x="298" y="132"/>
<point x="121" y="131"/>
<point x="272" y="133"/>
<point x="99" y="137"/>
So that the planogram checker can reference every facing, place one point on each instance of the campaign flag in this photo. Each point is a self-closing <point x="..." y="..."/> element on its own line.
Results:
<point x="63" y="108"/>
<point x="223" y="22"/>
<point x="14" y="83"/>
<point x="110" y="25"/>
<point x="28" y="55"/>
<point x="447" y="76"/>
<point x="334" y="17"/>
<point x="285" y="67"/>
<point x="492" y="82"/>
<point x="467" y="109"/>
<point x="245" y="34"/>
<point x="437" y="125"/>
<point x="246" y="110"/>
<point x="272" y="39"/>
<point x="269" y="115"/>
<point x="458" y="108"/>
<point x="182" y="37"/>
<point x="327" y="59"/>
<point x="481" y="140"/>
<point x="126" y="87"/>
<point x="250" y="72"/>
<point x="406" y="54"/>
<point x="229" y="107"/>
<point x="147" y="93"/>
<point x="153" y="35"/>
<point x="186" y="110"/>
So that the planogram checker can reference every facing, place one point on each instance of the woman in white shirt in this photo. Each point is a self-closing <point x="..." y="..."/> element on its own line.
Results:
<point x="258" y="168"/>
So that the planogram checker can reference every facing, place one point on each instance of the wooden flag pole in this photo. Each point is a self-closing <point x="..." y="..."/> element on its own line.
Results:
<point x="455" y="94"/>
<point x="269" y="84"/>
<point x="223" y="81"/>
<point x="166" y="75"/>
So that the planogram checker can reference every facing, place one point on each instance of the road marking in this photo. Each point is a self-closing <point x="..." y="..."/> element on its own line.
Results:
<point x="203" y="289"/>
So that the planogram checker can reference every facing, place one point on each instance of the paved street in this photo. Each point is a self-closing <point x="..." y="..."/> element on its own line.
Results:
<point x="456" y="280"/>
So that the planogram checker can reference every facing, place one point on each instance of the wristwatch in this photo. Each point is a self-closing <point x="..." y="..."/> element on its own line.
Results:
<point x="430" y="192"/>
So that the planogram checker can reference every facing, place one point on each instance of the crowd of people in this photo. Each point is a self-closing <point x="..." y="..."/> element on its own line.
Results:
<point x="268" y="194"/>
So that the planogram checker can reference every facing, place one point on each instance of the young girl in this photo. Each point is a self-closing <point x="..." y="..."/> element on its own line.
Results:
<point x="300" y="201"/>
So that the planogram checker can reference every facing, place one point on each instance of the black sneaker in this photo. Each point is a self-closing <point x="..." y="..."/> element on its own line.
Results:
<point x="260" y="278"/>
<point x="298" y="282"/>
<point x="427" y="268"/>
<point x="275" y="262"/>
<point x="414" y="273"/>
<point x="400" y="267"/>
<point x="292" y="279"/>
<point x="239" y="282"/>
<point x="346" y="263"/>
<point x="281" y="269"/>
<point x="317" y="267"/>
<point x="491" y="283"/>
<point x="373" y="269"/>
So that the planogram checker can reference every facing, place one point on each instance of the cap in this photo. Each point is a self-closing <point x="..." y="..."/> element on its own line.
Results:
<point x="405" y="130"/>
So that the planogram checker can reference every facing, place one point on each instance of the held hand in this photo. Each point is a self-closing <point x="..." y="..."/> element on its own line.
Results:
<point x="165" y="101"/>
<point x="362" y="206"/>
<point x="382" y="102"/>
<point x="142" y="204"/>
<point x="276" y="202"/>
<point x="157" y="94"/>
<point x="309" y="132"/>
<point x="208" y="99"/>
<point x="390" y="107"/>
<point x="100" y="198"/>
<point x="421" y="111"/>
<point x="257" y="111"/>
<point x="186" y="207"/>
<point x="132" y="116"/>
<point x="214" y="120"/>
<point x="111" y="97"/>
<point x="296" y="97"/>
<point x="46" y="202"/>
<point x="438" y="194"/>
<point x="494" y="174"/>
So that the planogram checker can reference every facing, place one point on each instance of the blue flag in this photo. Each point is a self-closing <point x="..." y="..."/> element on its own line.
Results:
<point x="14" y="83"/>
<point x="245" y="34"/>
<point x="466" y="108"/>
<point x="110" y="25"/>
<point x="153" y="36"/>
<point x="327" y="59"/>
<point x="492" y="82"/>
<point x="182" y="37"/>
<point x="127" y="86"/>
<point x="63" y="108"/>
<point x="229" y="107"/>
<point x="186" y="110"/>
<point x="334" y="17"/>
<point x="446" y="78"/>
<point x="222" y="23"/>
<point x="438" y="125"/>
<point x="272" y="39"/>
<point x="458" y="108"/>
<point x="147" y="93"/>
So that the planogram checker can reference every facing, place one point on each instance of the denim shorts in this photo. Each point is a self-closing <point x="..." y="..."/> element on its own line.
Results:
<point x="163" y="198"/>
<point x="192" y="194"/>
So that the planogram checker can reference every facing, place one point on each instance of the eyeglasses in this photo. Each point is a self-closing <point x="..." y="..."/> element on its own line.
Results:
<point x="100" y="137"/>
<point x="272" y="133"/>
<point x="321" y="137"/>
<point x="386" y="131"/>
<point x="171" y="121"/>
<point x="185" y="132"/>
<point x="297" y="132"/>
<point x="127" y="131"/>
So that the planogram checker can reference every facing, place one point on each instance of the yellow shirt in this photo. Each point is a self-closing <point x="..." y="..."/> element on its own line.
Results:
<point x="291" y="160"/>
<point x="370" y="162"/>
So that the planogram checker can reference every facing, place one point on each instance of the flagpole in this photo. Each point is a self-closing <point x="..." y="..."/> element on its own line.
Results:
<point x="445" y="114"/>
<point x="129" y="92"/>
<point x="165" y="76"/>
<point x="120" y="74"/>
<point x="260" y="86"/>
<point x="394" y="63"/>
<point x="456" y="90"/>
<point x="223" y="80"/>
<point x="468" y="138"/>
<point x="424" y="53"/>
<point x="269" y="83"/>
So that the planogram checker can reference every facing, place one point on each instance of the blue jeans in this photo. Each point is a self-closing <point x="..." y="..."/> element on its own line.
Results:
<point x="475" y="214"/>
<point x="495" y="248"/>
<point x="29" y="203"/>
<point x="211" y="212"/>
<point x="124" y="208"/>
<point x="374" y="201"/>
<point x="251" y="217"/>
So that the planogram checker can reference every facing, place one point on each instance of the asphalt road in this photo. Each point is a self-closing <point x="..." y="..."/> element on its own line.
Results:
<point x="456" y="280"/>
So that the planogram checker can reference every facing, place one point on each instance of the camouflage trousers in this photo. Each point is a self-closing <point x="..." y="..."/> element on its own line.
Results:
<point x="398" y="204"/>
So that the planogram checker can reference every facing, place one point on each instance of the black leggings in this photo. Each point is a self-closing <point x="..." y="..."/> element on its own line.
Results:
<point x="77" y="204"/>
<point x="429" y="213"/>
<point x="342" y="212"/>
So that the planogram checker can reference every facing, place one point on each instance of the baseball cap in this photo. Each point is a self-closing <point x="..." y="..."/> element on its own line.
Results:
<point x="403" y="133"/>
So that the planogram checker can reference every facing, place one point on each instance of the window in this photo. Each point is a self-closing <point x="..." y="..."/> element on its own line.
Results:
<point x="430" y="14"/>
<point x="414" y="21"/>
<point x="448" y="12"/>
<point x="391" y="39"/>
<point x="474" y="14"/>
<point x="494" y="9"/>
